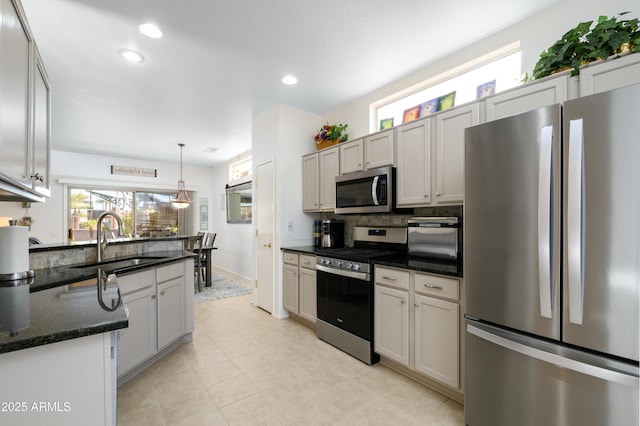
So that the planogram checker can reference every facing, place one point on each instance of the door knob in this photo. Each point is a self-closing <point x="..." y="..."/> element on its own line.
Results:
<point x="267" y="245"/>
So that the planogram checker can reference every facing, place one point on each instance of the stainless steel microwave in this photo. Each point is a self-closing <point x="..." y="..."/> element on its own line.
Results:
<point x="370" y="191"/>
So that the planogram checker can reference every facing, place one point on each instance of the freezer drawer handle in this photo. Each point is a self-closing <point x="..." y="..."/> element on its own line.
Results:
<point x="575" y="220"/>
<point x="545" y="224"/>
<point x="558" y="361"/>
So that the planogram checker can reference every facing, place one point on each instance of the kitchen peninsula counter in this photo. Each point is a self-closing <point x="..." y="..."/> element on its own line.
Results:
<point x="61" y="303"/>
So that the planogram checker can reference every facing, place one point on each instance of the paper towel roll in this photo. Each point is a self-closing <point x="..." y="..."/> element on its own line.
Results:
<point x="14" y="249"/>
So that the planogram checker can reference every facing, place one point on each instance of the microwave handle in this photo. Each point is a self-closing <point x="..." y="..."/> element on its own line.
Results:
<point x="374" y="191"/>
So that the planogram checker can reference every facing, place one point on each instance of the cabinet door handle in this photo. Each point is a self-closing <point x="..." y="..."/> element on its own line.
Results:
<point x="384" y="277"/>
<point x="402" y="301"/>
<point x="306" y="262"/>
<point x="153" y="296"/>
<point x="416" y="305"/>
<point x="268" y="245"/>
<point x="435" y="287"/>
<point x="162" y="293"/>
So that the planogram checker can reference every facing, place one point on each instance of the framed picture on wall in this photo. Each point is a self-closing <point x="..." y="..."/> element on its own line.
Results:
<point x="204" y="214"/>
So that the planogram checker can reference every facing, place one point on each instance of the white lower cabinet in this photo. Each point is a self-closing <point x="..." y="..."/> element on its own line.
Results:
<point x="299" y="284"/>
<point x="156" y="301"/>
<point x="391" y="312"/>
<point x="417" y="322"/>
<point x="437" y="339"/>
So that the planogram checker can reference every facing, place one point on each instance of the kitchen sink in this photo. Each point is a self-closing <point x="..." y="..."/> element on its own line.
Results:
<point x="117" y="264"/>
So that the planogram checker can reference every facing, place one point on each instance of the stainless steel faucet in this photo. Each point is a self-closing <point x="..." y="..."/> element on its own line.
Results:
<point x="100" y="236"/>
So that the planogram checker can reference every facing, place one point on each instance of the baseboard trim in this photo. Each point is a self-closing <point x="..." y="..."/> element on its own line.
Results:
<point x="425" y="381"/>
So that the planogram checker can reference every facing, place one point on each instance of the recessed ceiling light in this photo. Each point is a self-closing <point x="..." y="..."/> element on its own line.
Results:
<point x="210" y="150"/>
<point x="131" y="55"/>
<point x="151" y="30"/>
<point x="289" y="80"/>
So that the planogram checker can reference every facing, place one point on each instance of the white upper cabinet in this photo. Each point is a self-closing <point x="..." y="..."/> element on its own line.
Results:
<point x="24" y="110"/>
<point x="310" y="182"/>
<point x="379" y="149"/>
<point x="609" y="75"/>
<point x="351" y="156"/>
<point x="449" y="155"/>
<point x="371" y="152"/>
<point x="15" y="87"/>
<point x="547" y="91"/>
<point x="413" y="177"/>
<point x="319" y="171"/>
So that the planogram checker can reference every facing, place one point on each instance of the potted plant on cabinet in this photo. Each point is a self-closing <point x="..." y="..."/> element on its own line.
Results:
<point x="583" y="44"/>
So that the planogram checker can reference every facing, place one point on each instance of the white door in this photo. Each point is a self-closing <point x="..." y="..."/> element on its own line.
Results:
<point x="265" y="226"/>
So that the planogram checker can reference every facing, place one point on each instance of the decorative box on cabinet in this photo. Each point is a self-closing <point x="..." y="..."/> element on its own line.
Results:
<point x="608" y="75"/>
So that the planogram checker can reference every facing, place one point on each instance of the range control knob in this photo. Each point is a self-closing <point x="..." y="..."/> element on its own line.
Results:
<point x="321" y="260"/>
<point x="350" y="265"/>
<point x="327" y="261"/>
<point x="339" y="263"/>
<point x="356" y="266"/>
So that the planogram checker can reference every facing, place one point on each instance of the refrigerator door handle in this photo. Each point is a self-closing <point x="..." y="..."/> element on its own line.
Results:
<point x="545" y="282"/>
<point x="575" y="220"/>
<point x="556" y="360"/>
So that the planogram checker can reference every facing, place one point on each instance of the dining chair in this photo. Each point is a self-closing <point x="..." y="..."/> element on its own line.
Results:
<point x="209" y="239"/>
<point x="194" y="244"/>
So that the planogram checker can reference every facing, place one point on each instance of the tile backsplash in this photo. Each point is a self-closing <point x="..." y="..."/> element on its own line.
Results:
<point x="388" y="219"/>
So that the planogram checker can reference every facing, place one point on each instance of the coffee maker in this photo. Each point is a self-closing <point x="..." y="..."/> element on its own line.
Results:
<point x="332" y="233"/>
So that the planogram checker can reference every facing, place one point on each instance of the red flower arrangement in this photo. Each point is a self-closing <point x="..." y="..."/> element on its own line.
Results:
<point x="332" y="132"/>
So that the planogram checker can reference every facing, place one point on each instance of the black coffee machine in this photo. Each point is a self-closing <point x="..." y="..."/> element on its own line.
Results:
<point x="332" y="233"/>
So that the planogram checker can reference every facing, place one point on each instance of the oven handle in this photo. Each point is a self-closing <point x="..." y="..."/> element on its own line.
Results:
<point x="349" y="274"/>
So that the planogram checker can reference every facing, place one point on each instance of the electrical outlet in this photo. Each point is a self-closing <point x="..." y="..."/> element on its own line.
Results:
<point x="290" y="226"/>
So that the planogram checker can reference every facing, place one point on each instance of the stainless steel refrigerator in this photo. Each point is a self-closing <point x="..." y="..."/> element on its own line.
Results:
<point x="552" y="265"/>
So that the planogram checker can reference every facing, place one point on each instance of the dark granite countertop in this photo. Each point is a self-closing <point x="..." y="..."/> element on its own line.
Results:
<point x="401" y="260"/>
<point x="420" y="264"/>
<point x="62" y="303"/>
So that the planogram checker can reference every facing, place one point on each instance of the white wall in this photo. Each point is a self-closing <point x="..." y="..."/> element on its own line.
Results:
<point x="535" y="35"/>
<point x="283" y="135"/>
<point x="49" y="223"/>
<point x="235" y="242"/>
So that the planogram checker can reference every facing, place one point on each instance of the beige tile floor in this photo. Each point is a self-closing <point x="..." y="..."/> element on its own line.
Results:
<point x="244" y="367"/>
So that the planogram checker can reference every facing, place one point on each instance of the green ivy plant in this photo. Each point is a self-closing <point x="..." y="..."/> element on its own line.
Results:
<point x="583" y="44"/>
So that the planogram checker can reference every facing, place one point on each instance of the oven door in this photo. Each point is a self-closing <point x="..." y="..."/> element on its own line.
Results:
<point x="345" y="300"/>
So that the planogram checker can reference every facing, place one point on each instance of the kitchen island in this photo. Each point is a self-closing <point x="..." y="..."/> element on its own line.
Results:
<point x="58" y="335"/>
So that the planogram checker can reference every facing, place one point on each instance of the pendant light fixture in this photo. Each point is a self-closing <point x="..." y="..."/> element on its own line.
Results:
<point x="181" y="200"/>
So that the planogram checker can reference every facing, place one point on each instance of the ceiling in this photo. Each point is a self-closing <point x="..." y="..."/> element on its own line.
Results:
<point x="220" y="62"/>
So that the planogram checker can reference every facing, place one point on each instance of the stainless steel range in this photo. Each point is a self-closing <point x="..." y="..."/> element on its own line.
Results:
<point x="345" y="289"/>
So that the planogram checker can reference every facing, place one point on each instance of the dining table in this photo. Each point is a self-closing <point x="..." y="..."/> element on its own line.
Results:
<point x="207" y="253"/>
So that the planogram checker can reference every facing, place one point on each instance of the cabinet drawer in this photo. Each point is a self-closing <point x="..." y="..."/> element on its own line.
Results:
<point x="290" y="258"/>
<point x="437" y="286"/>
<point x="169" y="272"/>
<point x="136" y="281"/>
<point x="307" y="261"/>
<point x="392" y="277"/>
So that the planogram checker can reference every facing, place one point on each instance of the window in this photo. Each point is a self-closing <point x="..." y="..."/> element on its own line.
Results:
<point x="239" y="201"/>
<point x="143" y="213"/>
<point x="240" y="169"/>
<point x="505" y="70"/>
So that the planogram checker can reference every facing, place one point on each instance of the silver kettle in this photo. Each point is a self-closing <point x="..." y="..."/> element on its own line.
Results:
<point x="328" y="240"/>
<point x="332" y="233"/>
